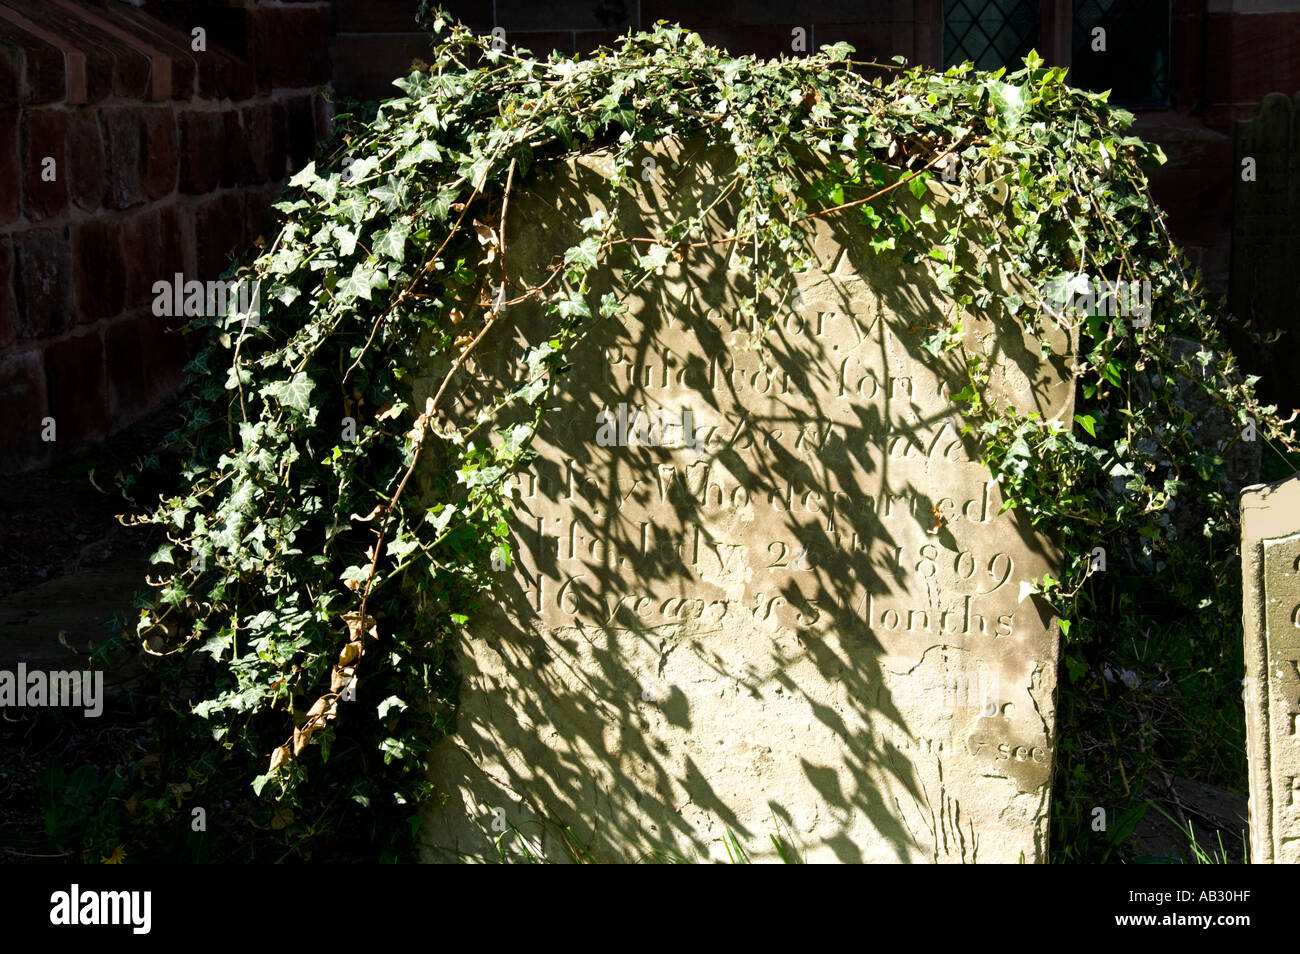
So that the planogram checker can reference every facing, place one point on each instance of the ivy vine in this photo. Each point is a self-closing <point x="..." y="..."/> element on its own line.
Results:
<point x="301" y="571"/>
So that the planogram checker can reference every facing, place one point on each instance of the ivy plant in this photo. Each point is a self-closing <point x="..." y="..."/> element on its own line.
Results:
<point x="322" y="598"/>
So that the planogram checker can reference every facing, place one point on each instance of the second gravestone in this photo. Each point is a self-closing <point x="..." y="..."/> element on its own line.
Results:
<point x="1270" y="561"/>
<point x="755" y="593"/>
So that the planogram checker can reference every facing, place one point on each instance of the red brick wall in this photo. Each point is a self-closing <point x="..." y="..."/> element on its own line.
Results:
<point x="166" y="160"/>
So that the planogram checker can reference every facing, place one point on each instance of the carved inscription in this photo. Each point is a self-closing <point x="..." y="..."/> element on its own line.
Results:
<point x="763" y="604"/>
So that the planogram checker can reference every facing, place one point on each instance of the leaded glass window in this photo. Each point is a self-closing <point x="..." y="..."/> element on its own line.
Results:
<point x="1122" y="46"/>
<point x="989" y="33"/>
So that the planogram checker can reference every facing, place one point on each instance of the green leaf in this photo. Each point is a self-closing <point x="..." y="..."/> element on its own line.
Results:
<point x="584" y="254"/>
<point x="305" y="176"/>
<point x="358" y="284"/>
<point x="655" y="258"/>
<point x="574" y="305"/>
<point x="294" y="393"/>
<point x="392" y="243"/>
<point x="1087" y="422"/>
<point x="1008" y="101"/>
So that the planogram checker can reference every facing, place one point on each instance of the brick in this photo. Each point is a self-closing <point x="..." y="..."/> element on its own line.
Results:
<point x="365" y="65"/>
<point x="43" y="282"/>
<point x="766" y="42"/>
<point x="211" y="76"/>
<point x="130" y="71"/>
<point x="44" y="134"/>
<point x="40" y="66"/>
<point x="160" y="150"/>
<point x="296" y="40"/>
<point x="300" y="127"/>
<point x="120" y="128"/>
<point x="1262" y="55"/>
<point x="11" y="72"/>
<point x="218" y="231"/>
<point x="11" y="178"/>
<point x="100" y="51"/>
<point x="1199" y="196"/>
<point x="167" y="39"/>
<point x="175" y="241"/>
<point x="142" y="256"/>
<point x="75" y="388"/>
<point x="324" y="112"/>
<point x="99" y="268"/>
<point x="259" y="217"/>
<point x="264" y="129"/>
<point x="235" y="160"/>
<point x="85" y="159"/>
<point x="143" y="362"/>
<point x="8" y="304"/>
<point x="101" y="69"/>
<point x="22" y="382"/>
<point x="202" y="150"/>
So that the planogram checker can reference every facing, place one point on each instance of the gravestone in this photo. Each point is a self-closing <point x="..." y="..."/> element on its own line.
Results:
<point x="809" y="624"/>
<point x="1270" y="563"/>
<point x="1264" y="285"/>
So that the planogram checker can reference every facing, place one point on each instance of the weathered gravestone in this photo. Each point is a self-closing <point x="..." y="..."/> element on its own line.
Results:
<point x="810" y="623"/>
<point x="1270" y="561"/>
<point x="1264" y="286"/>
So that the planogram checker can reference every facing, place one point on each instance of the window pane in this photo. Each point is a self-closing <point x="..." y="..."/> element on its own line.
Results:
<point x="990" y="33"/>
<point x="1135" y="62"/>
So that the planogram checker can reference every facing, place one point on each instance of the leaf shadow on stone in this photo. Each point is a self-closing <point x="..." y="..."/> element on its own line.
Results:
<point x="629" y="577"/>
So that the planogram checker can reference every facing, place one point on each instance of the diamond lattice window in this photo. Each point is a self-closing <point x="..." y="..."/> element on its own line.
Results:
<point x="1130" y="54"/>
<point x="989" y="33"/>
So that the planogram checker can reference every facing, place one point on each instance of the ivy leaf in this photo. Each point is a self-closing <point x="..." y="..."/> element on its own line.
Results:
<point x="573" y="305"/>
<point x="358" y="284"/>
<point x="306" y="176"/>
<point x="655" y="258"/>
<point x="1008" y="101"/>
<point x="440" y="519"/>
<point x="1087" y="422"/>
<point x="392" y="243"/>
<point x="584" y="253"/>
<point x="391" y="193"/>
<point x="611" y="306"/>
<point x="402" y="546"/>
<point x="347" y="239"/>
<point x="515" y="439"/>
<point x="294" y="393"/>
<point x="353" y="208"/>
<point x="440" y="207"/>
<point x="327" y="188"/>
